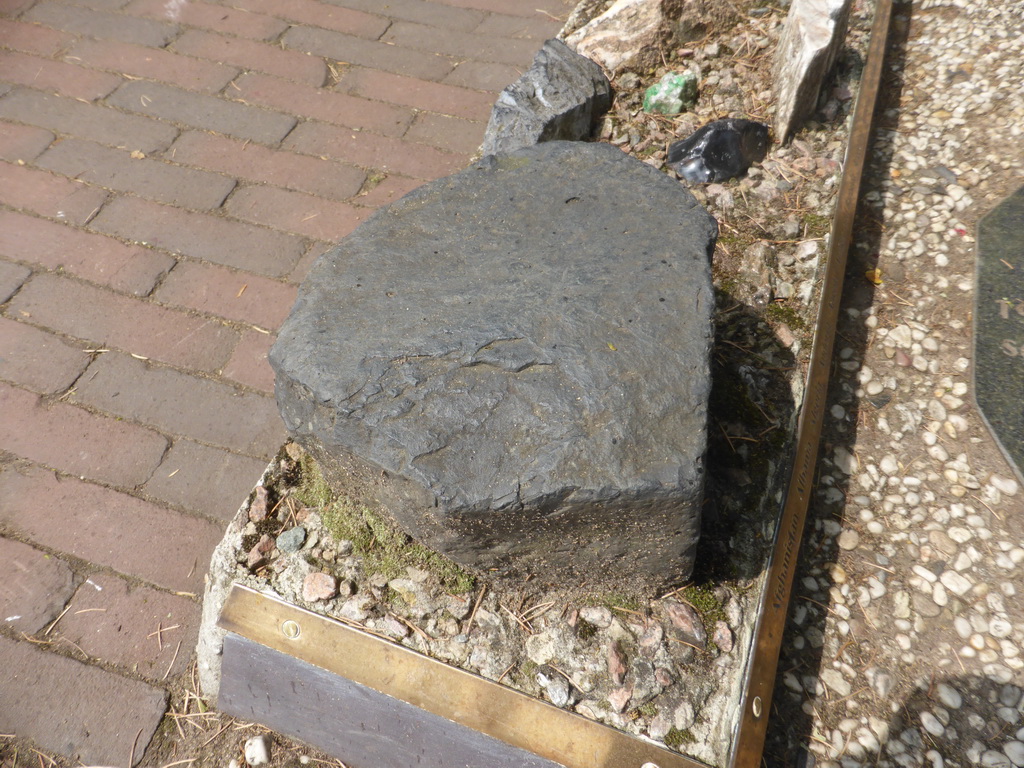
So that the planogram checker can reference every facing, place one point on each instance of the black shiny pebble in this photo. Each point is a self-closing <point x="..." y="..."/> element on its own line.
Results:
<point x="719" y="151"/>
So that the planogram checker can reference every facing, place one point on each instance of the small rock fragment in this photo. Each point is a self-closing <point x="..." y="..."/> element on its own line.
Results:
<point x="619" y="698"/>
<point x="597" y="615"/>
<point x="560" y="97"/>
<point x="723" y="637"/>
<point x="720" y="150"/>
<point x="357" y="608"/>
<point x="616" y="663"/>
<point x="848" y="539"/>
<point x="629" y="34"/>
<point x="1014" y="750"/>
<point x="260" y="551"/>
<point x="684" y="717"/>
<point x="949" y="696"/>
<point x="663" y="677"/>
<point x="292" y="539"/>
<point x="992" y="759"/>
<point x="319" y="586"/>
<point x="394" y="627"/>
<point x="258" y="508"/>
<point x="556" y="687"/>
<point x="257" y="751"/>
<point x="675" y="92"/>
<point x="686" y="620"/>
<point x="649" y="640"/>
<point x="813" y="35"/>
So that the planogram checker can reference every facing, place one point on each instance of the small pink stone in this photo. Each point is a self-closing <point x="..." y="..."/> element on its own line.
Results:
<point x="663" y="677"/>
<point x="258" y="509"/>
<point x="319" y="586"/>
<point x="616" y="663"/>
<point x="619" y="698"/>
<point x="723" y="637"/>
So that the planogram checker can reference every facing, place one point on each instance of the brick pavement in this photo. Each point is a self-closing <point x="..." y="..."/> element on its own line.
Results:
<point x="169" y="169"/>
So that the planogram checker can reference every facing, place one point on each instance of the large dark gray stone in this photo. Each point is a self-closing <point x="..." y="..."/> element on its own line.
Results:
<point x="514" y="361"/>
<point x="559" y="97"/>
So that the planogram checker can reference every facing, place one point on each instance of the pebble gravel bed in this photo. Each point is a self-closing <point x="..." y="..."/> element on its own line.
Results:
<point x="905" y="635"/>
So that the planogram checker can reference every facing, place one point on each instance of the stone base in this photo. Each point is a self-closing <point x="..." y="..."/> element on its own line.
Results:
<point x="514" y="361"/>
<point x="655" y="669"/>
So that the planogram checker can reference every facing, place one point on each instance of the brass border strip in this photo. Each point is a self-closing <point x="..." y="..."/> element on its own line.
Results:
<point x="748" y="745"/>
<point x="438" y="688"/>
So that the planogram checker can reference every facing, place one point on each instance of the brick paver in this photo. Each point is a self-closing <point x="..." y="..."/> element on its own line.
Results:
<point x="98" y="259"/>
<point x="66" y="79"/>
<point x="116" y="169"/>
<point x="107" y="527"/>
<point x="253" y="55"/>
<point x="218" y="18"/>
<point x="152" y="64"/>
<point x="75" y="709"/>
<point x="137" y="628"/>
<point x="48" y="195"/>
<point x="37" y="359"/>
<point x="110" y="320"/>
<point x="226" y="478"/>
<point x="178" y="403"/>
<point x="169" y="171"/>
<point x="201" y="110"/>
<point x="201" y="236"/>
<point x="23" y="143"/>
<point x="36" y="589"/>
<point x="78" y="442"/>
<point x="86" y="121"/>
<point x="103" y="25"/>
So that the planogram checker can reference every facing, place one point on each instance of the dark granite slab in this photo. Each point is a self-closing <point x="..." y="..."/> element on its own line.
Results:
<point x="999" y="325"/>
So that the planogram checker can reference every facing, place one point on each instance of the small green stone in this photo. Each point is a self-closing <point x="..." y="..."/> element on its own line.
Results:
<point x="675" y="92"/>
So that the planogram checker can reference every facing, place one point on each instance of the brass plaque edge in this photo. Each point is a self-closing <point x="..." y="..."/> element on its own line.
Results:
<point x="436" y="687"/>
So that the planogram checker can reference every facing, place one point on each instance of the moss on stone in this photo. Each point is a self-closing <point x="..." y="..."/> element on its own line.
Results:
<point x="817" y="225"/>
<point x="617" y="600"/>
<point x="781" y="312"/>
<point x="648" y="710"/>
<point x="384" y="548"/>
<point x="677" y="738"/>
<point x="704" y="601"/>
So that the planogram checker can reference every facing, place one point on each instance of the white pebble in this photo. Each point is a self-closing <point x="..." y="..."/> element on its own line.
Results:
<point x="992" y="759"/>
<point x="931" y="724"/>
<point x="834" y="679"/>
<point x="999" y="628"/>
<point x="844" y="461"/>
<point x="257" y="751"/>
<point x="848" y="540"/>
<point x="1004" y="485"/>
<point x="1015" y="752"/>
<point x="949" y="695"/>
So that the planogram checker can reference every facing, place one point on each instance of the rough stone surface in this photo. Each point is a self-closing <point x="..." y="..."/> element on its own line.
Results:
<point x="813" y="36"/>
<point x="513" y="361"/>
<point x="629" y="33"/>
<point x="559" y="97"/>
